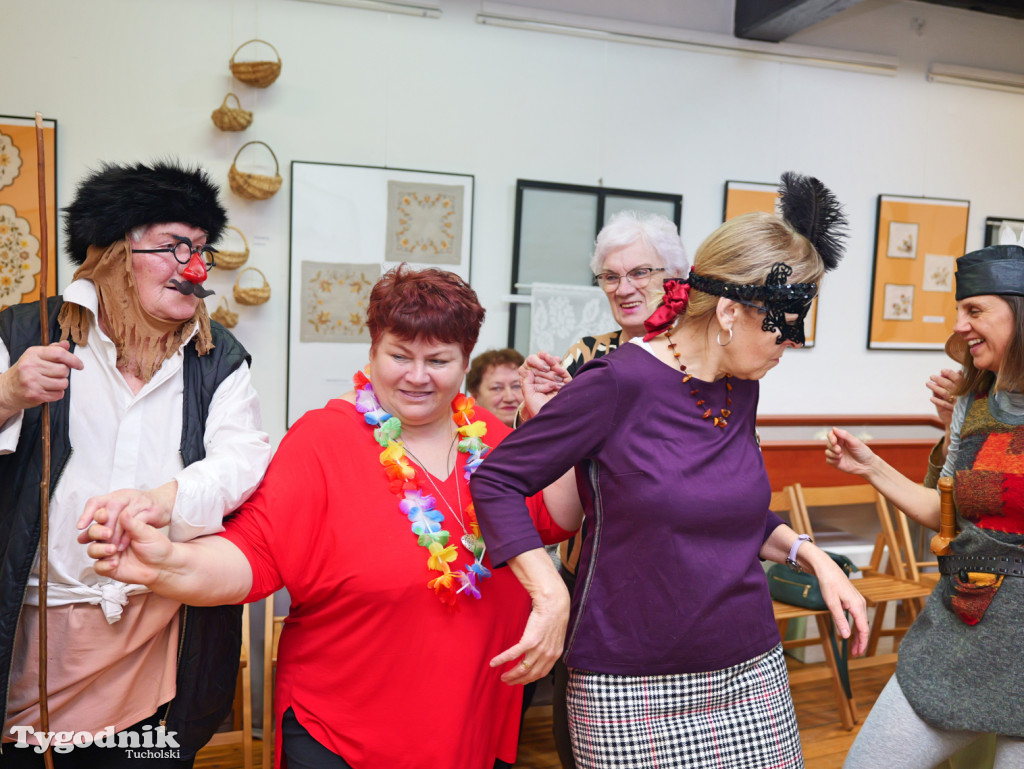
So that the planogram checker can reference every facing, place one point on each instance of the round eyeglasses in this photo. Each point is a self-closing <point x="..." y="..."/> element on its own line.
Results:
<point x="182" y="252"/>
<point x="637" y="278"/>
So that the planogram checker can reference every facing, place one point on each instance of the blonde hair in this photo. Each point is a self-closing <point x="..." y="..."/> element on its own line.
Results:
<point x="743" y="250"/>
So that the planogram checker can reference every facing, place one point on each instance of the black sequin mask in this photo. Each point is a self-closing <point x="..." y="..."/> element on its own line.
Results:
<point x="776" y="300"/>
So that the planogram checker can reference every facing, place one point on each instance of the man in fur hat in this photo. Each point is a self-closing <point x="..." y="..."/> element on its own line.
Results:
<point x="151" y="409"/>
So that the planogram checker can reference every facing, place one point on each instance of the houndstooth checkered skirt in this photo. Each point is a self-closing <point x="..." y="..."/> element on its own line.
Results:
<point x="737" y="718"/>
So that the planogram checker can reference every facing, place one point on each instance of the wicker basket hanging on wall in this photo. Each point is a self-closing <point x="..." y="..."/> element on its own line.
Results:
<point x="255" y="73"/>
<point x="228" y="118"/>
<point x="232" y="260"/>
<point x="252" y="294"/>
<point x="224" y="315"/>
<point x="254" y="186"/>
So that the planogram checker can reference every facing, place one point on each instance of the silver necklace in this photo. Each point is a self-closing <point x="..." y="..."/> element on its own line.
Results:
<point x="469" y="541"/>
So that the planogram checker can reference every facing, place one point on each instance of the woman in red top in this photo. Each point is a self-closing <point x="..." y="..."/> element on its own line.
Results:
<point x="397" y="615"/>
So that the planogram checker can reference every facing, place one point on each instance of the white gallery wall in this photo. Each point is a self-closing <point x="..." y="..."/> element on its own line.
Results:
<point x="132" y="80"/>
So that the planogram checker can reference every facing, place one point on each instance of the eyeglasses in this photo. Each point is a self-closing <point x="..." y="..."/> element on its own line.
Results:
<point x="637" y="278"/>
<point x="182" y="252"/>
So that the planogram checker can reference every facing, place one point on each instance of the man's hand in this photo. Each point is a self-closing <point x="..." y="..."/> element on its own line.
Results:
<point x="40" y="375"/>
<point x="140" y="562"/>
<point x="152" y="507"/>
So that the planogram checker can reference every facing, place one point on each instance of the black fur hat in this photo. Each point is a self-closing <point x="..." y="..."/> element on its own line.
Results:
<point x="116" y="199"/>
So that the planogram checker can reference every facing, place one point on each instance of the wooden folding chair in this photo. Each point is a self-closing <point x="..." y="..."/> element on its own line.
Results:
<point x="877" y="587"/>
<point x="272" y="626"/>
<point x="785" y="504"/>
<point x="918" y="569"/>
<point x="241" y="733"/>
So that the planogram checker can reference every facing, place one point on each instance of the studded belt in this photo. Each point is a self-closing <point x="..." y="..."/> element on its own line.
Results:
<point x="994" y="564"/>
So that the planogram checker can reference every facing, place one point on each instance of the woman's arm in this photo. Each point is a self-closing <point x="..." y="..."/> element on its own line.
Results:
<point x="209" y="571"/>
<point x="942" y="386"/>
<point x="562" y="499"/>
<point x="541" y="643"/>
<point x="851" y="455"/>
<point x="836" y="588"/>
<point x="540" y="453"/>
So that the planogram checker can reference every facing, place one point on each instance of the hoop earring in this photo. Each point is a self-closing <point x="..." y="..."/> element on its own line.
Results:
<point x="719" y="337"/>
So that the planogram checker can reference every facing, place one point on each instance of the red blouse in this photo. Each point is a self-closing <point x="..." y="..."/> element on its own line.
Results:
<point x="371" y="662"/>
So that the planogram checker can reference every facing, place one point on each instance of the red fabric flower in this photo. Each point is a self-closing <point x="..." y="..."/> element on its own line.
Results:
<point x="677" y="296"/>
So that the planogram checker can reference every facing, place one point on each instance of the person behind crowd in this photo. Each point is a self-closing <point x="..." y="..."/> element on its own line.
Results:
<point x="365" y="516"/>
<point x="673" y="651"/>
<point x="493" y="381"/>
<point x="961" y="653"/>
<point x="152" y="414"/>
<point x="633" y="254"/>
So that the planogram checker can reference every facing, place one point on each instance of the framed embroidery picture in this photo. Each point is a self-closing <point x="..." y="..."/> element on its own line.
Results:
<point x="349" y="225"/>
<point x="752" y="197"/>
<point x="917" y="242"/>
<point x="994" y="224"/>
<point x="20" y="242"/>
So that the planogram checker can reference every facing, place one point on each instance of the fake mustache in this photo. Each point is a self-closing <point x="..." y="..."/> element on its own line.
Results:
<point x="189" y="288"/>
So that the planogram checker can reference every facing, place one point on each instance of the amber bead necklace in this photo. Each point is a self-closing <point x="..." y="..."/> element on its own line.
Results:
<point x="722" y="420"/>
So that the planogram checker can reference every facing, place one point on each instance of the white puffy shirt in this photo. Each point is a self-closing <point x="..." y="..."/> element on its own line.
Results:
<point x="122" y="440"/>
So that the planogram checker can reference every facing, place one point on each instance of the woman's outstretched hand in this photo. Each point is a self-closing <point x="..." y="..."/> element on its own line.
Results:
<point x="847" y="453"/>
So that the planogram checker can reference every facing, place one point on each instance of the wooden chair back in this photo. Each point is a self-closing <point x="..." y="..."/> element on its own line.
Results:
<point x="878" y="585"/>
<point x="272" y="626"/>
<point x="785" y="504"/>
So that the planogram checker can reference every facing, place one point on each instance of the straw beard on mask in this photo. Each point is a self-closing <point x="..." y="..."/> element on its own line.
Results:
<point x="143" y="341"/>
<point x="188" y="288"/>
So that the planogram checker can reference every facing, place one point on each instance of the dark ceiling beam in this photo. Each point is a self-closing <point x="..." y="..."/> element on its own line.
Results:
<point x="775" y="20"/>
<point x="1012" y="8"/>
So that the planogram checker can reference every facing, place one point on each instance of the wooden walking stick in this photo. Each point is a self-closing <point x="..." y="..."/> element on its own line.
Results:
<point x="947" y="518"/>
<point x="44" y="483"/>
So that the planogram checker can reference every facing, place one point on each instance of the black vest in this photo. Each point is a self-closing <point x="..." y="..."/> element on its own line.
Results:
<point x="210" y="636"/>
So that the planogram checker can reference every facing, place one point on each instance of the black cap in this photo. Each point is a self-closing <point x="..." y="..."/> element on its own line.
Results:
<point x="991" y="270"/>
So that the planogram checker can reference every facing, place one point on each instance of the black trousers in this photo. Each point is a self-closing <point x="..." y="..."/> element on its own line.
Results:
<point x="304" y="752"/>
<point x="95" y="757"/>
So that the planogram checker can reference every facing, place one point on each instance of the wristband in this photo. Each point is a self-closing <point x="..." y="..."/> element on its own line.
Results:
<point x="791" y="558"/>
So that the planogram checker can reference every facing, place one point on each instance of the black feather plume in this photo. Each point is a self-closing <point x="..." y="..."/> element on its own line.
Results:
<point x="813" y="211"/>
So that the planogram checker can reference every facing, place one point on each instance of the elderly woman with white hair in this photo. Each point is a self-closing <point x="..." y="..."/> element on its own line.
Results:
<point x="633" y="254"/>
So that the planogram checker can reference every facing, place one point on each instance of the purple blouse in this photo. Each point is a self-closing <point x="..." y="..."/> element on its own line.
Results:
<point x="677" y="511"/>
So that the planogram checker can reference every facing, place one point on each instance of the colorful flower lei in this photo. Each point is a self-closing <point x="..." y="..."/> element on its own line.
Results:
<point x="419" y="506"/>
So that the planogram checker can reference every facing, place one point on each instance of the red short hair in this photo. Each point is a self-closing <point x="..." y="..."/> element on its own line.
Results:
<point x="433" y="304"/>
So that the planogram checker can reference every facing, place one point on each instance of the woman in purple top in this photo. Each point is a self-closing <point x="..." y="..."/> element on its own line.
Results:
<point x="673" y="650"/>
